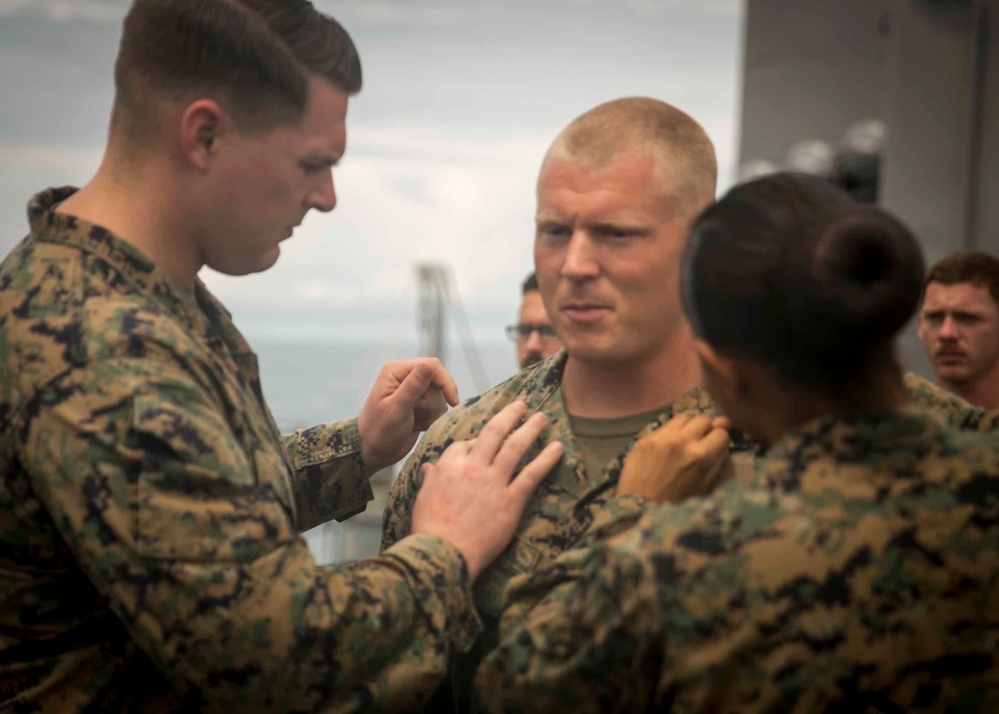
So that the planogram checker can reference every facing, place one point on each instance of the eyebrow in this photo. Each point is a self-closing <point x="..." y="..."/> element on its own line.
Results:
<point x="625" y="225"/>
<point x="629" y="225"/>
<point x="939" y="311"/>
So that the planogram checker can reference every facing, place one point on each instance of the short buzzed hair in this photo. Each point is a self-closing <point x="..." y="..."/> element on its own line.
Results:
<point x="530" y="284"/>
<point x="254" y="55"/>
<point x="969" y="266"/>
<point x="644" y="126"/>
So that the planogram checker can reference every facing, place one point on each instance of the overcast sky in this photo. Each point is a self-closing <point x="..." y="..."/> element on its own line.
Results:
<point x="460" y="100"/>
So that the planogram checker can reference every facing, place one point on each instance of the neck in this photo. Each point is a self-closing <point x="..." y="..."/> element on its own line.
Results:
<point x="790" y="407"/>
<point x="610" y="391"/>
<point x="982" y="392"/>
<point x="139" y="206"/>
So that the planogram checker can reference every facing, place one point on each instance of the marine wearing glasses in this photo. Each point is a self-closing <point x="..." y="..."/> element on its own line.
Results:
<point x="533" y="334"/>
<point x="524" y="331"/>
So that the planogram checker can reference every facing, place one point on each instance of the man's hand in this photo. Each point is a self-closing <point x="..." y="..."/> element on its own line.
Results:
<point x="406" y="398"/>
<point x="468" y="498"/>
<point x="684" y="457"/>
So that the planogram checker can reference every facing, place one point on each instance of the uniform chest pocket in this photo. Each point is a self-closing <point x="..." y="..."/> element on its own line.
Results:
<point x="197" y="495"/>
<point x="520" y="557"/>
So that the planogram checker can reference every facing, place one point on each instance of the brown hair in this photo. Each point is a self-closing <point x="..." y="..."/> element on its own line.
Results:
<point x="255" y="55"/>
<point x="979" y="269"/>
<point x="640" y="125"/>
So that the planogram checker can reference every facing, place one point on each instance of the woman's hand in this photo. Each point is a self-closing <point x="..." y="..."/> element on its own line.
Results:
<point x="684" y="457"/>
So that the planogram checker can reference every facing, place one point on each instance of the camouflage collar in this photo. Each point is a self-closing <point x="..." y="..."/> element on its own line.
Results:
<point x="846" y="439"/>
<point x="543" y="381"/>
<point x="540" y="388"/>
<point x="198" y="309"/>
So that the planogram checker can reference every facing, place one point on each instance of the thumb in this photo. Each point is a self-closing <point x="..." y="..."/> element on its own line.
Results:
<point x="413" y="386"/>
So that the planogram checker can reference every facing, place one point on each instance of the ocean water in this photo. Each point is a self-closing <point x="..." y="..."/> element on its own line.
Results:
<point x="310" y="381"/>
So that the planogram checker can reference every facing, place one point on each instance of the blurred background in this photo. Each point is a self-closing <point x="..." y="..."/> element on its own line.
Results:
<point x="895" y="100"/>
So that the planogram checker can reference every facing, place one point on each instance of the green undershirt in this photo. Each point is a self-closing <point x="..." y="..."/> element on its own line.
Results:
<point x="601" y="440"/>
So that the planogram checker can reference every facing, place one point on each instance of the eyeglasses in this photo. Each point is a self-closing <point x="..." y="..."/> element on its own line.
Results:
<point x="522" y="332"/>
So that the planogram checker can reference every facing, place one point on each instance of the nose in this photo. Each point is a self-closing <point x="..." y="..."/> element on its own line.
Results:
<point x="948" y="329"/>
<point x="580" y="259"/>
<point x="533" y="341"/>
<point x="323" y="196"/>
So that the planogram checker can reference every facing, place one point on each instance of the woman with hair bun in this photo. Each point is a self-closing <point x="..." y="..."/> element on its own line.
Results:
<point x="796" y="294"/>
<point x="857" y="570"/>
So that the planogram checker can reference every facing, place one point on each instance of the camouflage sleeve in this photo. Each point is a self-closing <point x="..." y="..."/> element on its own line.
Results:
<point x="200" y="560"/>
<point x="330" y="479"/>
<point x="989" y="421"/>
<point x="396" y="520"/>
<point x="580" y="635"/>
<point x="946" y="407"/>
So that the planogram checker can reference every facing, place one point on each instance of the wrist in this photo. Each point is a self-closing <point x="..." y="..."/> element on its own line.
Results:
<point x="371" y="462"/>
<point x="473" y="564"/>
<point x="369" y="465"/>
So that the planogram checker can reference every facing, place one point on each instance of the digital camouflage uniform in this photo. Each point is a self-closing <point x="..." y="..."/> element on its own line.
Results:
<point x="150" y="511"/>
<point x="857" y="571"/>
<point x="570" y="501"/>
<point x="567" y="503"/>
<point x="948" y="407"/>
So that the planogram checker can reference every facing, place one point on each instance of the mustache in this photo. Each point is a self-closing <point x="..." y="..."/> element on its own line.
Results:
<point x="531" y="358"/>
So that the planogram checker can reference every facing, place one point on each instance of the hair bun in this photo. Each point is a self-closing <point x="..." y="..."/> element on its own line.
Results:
<point x="787" y="270"/>
<point x="866" y="274"/>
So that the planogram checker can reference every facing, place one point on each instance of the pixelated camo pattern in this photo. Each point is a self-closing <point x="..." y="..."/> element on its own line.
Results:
<point x="568" y="503"/>
<point x="565" y="504"/>
<point x="857" y="571"/>
<point x="571" y="502"/>
<point x="949" y="408"/>
<point x="150" y="558"/>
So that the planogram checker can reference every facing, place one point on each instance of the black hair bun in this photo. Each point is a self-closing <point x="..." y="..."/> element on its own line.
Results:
<point x="789" y="271"/>
<point x="866" y="274"/>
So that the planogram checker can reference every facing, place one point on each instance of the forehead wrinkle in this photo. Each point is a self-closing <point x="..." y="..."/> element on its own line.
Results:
<point x="604" y="206"/>
<point x="959" y="296"/>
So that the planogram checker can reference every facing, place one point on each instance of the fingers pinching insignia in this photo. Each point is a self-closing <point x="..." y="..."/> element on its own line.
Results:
<point x="697" y="427"/>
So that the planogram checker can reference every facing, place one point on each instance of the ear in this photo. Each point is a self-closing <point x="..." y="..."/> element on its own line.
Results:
<point x="202" y="125"/>
<point x="721" y="372"/>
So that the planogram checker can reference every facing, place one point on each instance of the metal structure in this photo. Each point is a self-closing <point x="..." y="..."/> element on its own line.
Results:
<point x="437" y="299"/>
<point x="928" y="70"/>
<point x="432" y="289"/>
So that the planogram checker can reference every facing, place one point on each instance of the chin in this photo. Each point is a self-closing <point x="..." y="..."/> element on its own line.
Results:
<point x="263" y="262"/>
<point x="586" y="350"/>
<point x="602" y="355"/>
<point x="952" y="374"/>
<point x="268" y="259"/>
